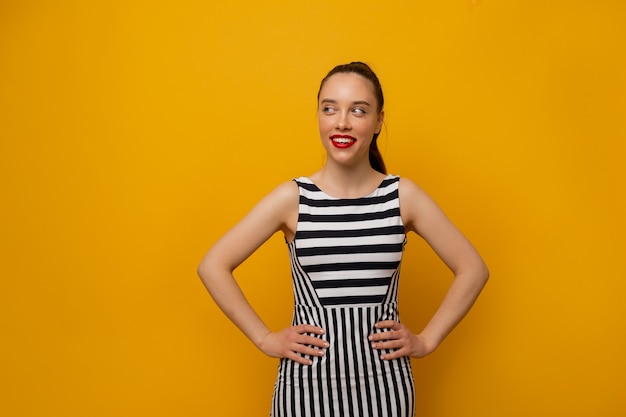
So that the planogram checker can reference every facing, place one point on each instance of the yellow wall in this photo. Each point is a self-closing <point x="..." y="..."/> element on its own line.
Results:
<point x="133" y="135"/>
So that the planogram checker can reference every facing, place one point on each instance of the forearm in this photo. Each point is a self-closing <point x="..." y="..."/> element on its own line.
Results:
<point x="456" y="304"/>
<point x="230" y="299"/>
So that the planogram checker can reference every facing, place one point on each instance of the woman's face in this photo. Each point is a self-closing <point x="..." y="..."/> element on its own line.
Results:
<point x="348" y="117"/>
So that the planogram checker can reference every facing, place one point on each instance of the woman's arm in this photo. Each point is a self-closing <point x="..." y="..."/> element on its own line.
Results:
<point x="421" y="215"/>
<point x="277" y="211"/>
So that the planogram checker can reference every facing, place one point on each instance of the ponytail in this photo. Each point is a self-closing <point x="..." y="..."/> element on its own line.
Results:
<point x="376" y="159"/>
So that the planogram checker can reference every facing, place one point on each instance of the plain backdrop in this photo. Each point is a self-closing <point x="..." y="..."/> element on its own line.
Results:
<point x="134" y="133"/>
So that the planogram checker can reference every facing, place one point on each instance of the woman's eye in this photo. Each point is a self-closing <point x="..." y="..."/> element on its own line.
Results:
<point x="358" y="111"/>
<point x="328" y="109"/>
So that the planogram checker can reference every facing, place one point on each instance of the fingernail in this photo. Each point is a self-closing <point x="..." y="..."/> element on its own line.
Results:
<point x="369" y="337"/>
<point x="326" y="344"/>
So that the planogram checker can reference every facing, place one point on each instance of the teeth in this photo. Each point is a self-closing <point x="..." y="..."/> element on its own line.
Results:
<point x="342" y="140"/>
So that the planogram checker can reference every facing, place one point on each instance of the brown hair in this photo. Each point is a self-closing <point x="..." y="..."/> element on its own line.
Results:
<point x="376" y="159"/>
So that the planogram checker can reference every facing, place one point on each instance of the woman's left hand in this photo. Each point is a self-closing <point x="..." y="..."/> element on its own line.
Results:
<point x="399" y="339"/>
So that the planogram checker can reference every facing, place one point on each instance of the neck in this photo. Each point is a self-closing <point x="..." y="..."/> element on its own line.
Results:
<point x="348" y="182"/>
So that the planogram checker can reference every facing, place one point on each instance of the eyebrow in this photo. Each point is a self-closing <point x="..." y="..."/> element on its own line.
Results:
<point x="358" y="102"/>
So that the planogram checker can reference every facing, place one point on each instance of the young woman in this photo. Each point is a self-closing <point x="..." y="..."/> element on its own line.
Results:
<point x="346" y="354"/>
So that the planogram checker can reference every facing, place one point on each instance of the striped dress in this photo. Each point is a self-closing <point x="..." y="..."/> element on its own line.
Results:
<point x="345" y="262"/>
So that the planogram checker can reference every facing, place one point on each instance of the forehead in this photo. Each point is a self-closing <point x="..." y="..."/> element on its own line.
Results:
<point x="350" y="86"/>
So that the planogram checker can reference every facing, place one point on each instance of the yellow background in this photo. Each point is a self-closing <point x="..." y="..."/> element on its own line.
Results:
<point x="133" y="134"/>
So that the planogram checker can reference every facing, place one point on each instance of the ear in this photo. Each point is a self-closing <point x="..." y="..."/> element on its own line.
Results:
<point x="381" y="119"/>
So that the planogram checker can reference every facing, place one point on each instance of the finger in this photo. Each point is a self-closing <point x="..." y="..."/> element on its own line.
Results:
<point x="393" y="355"/>
<point x="313" y="341"/>
<point x="308" y="328"/>
<point x="307" y="350"/>
<point x="300" y="359"/>
<point x="390" y="335"/>
<point x="386" y="324"/>
<point x="389" y="344"/>
<point x="302" y="354"/>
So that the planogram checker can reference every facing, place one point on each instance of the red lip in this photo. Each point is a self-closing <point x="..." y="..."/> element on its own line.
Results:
<point x="343" y="136"/>
<point x="342" y="145"/>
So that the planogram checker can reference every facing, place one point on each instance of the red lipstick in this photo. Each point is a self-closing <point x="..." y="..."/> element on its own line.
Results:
<point x="342" y="141"/>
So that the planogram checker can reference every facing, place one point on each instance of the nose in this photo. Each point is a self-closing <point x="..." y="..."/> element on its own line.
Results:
<point x="343" y="121"/>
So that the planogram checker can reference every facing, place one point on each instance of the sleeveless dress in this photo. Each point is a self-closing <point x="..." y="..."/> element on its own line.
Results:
<point x="345" y="263"/>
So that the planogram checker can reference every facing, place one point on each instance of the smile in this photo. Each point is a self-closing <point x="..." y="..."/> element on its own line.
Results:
<point x="342" y="141"/>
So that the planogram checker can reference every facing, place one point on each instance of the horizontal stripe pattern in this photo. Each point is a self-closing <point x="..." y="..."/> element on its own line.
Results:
<point x="341" y="239"/>
<point x="352" y="250"/>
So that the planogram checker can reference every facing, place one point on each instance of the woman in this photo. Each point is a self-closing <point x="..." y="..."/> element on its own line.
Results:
<point x="346" y="354"/>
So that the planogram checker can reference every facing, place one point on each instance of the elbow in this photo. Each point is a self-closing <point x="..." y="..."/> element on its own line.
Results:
<point x="203" y="274"/>
<point x="477" y="273"/>
<point x="204" y="270"/>
<point x="212" y="270"/>
<point x="484" y="273"/>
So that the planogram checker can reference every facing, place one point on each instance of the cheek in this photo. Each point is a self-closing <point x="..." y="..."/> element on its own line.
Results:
<point x="324" y="123"/>
<point x="367" y="127"/>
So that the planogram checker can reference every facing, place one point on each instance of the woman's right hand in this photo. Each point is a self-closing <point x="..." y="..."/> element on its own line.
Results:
<point x="294" y="342"/>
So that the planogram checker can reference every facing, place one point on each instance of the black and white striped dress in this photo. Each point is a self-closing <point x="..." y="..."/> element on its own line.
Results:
<point x="345" y="262"/>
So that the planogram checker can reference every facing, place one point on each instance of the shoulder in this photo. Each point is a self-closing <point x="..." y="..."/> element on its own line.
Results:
<point x="416" y="206"/>
<point x="284" y="195"/>
<point x="275" y="211"/>
<point x="287" y="188"/>
<point x="407" y="188"/>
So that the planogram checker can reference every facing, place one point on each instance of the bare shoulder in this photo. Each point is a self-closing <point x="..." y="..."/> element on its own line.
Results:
<point x="407" y="186"/>
<point x="276" y="211"/>
<point x="416" y="206"/>
<point x="283" y="196"/>
<point x="421" y="214"/>
<point x="288" y="189"/>
<point x="280" y="208"/>
<point x="411" y="193"/>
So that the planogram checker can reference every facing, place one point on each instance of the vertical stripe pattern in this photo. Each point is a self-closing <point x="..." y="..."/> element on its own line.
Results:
<point x="345" y="263"/>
